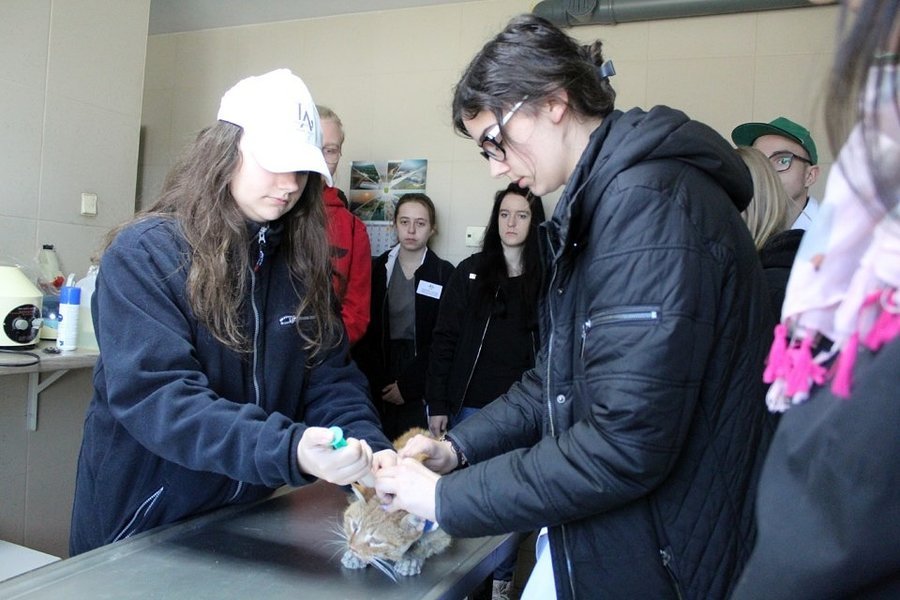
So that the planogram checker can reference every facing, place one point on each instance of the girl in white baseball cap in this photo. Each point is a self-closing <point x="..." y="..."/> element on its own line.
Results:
<point x="222" y="360"/>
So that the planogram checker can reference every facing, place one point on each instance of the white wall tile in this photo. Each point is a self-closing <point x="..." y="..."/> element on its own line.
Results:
<point x="207" y="62"/>
<point x="701" y="37"/>
<point x="87" y="149"/>
<point x="22" y="109"/>
<point x="716" y="91"/>
<point x="24" y="29"/>
<point x="414" y="40"/>
<point x="157" y="127"/>
<point x="93" y="54"/>
<point x="18" y="242"/>
<point x="797" y="31"/>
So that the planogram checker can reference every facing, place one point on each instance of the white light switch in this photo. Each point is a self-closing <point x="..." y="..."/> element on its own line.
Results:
<point x="88" y="204"/>
<point x="474" y="235"/>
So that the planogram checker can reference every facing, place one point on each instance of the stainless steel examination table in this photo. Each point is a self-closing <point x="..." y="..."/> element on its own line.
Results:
<point x="283" y="547"/>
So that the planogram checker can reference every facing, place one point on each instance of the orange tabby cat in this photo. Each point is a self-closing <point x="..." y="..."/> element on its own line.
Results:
<point x="397" y="543"/>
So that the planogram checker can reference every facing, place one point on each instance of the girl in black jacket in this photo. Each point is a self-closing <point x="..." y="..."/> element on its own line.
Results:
<point x="486" y="334"/>
<point x="407" y="285"/>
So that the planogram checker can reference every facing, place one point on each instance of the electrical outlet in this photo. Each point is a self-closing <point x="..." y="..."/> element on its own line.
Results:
<point x="474" y="236"/>
<point x="89" y="204"/>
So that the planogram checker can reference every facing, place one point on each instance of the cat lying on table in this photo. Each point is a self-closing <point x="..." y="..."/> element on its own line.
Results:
<point x="396" y="543"/>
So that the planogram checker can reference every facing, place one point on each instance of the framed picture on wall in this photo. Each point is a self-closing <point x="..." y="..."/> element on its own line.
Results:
<point x="375" y="188"/>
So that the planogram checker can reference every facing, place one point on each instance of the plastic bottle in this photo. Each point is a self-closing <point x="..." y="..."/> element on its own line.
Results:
<point x="87" y="339"/>
<point x="51" y="278"/>
<point x="50" y="314"/>
<point x="69" y="302"/>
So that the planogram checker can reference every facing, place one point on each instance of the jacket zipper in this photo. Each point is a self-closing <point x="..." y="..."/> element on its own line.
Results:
<point x="261" y="241"/>
<point x="636" y="313"/>
<point x="487" y="324"/>
<point x="142" y="511"/>
<point x="667" y="565"/>
<point x="562" y="527"/>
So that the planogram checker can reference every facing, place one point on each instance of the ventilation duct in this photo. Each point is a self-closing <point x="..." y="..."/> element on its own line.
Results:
<point x="567" y="13"/>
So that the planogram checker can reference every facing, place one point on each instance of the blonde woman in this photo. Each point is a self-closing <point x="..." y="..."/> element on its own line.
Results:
<point x="768" y="217"/>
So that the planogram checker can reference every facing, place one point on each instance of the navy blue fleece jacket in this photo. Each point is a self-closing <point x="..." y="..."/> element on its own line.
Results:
<point x="179" y="424"/>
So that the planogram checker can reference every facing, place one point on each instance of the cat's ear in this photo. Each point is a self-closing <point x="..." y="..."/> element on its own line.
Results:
<point x="413" y="523"/>
<point x="362" y="493"/>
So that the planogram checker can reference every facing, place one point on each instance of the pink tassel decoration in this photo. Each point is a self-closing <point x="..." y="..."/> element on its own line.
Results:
<point x="776" y="364"/>
<point x="843" y="368"/>
<point x="804" y="372"/>
<point x="886" y="328"/>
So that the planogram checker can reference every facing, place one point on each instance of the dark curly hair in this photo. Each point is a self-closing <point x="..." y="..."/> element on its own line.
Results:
<point x="532" y="58"/>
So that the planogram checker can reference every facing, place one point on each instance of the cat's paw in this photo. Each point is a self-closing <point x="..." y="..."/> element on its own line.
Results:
<point x="352" y="561"/>
<point x="408" y="566"/>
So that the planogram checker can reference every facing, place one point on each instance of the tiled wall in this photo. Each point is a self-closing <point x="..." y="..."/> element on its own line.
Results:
<point x="390" y="75"/>
<point x="71" y="81"/>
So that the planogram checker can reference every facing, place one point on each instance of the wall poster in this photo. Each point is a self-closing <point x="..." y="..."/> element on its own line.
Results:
<point x="375" y="188"/>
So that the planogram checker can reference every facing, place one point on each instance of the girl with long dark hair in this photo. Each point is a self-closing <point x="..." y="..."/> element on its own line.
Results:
<point x="222" y="358"/>
<point x="486" y="334"/>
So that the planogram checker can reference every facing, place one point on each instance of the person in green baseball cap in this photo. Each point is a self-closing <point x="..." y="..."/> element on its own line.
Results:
<point x="792" y="152"/>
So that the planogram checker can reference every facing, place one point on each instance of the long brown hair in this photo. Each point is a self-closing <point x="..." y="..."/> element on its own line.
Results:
<point x="196" y="195"/>
<point x="867" y="52"/>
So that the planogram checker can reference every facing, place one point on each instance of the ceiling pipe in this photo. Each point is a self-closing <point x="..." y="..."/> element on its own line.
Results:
<point x="568" y="13"/>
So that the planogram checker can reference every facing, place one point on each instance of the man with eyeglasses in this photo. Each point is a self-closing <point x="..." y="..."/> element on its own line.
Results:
<point x="792" y="152"/>
<point x="351" y="256"/>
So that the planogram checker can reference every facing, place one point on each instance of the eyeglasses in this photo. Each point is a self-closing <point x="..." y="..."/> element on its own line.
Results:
<point x="782" y="161"/>
<point x="491" y="143"/>
<point x="331" y="153"/>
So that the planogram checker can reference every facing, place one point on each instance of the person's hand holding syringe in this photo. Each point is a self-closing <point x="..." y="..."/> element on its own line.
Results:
<point x="326" y="454"/>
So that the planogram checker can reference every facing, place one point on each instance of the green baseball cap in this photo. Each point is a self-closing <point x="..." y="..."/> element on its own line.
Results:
<point x="746" y="134"/>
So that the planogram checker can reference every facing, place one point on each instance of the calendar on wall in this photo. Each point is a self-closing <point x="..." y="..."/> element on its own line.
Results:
<point x="381" y="236"/>
<point x="375" y="188"/>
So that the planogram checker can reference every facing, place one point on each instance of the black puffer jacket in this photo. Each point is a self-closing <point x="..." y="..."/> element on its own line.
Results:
<point x="638" y="436"/>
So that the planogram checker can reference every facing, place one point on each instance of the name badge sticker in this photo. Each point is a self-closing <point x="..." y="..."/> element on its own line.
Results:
<point x="432" y="290"/>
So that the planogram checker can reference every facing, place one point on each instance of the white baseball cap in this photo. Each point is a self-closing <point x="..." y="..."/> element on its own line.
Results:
<point x="280" y="122"/>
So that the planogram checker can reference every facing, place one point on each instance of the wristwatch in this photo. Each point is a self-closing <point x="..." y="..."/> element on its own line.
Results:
<point x="461" y="461"/>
